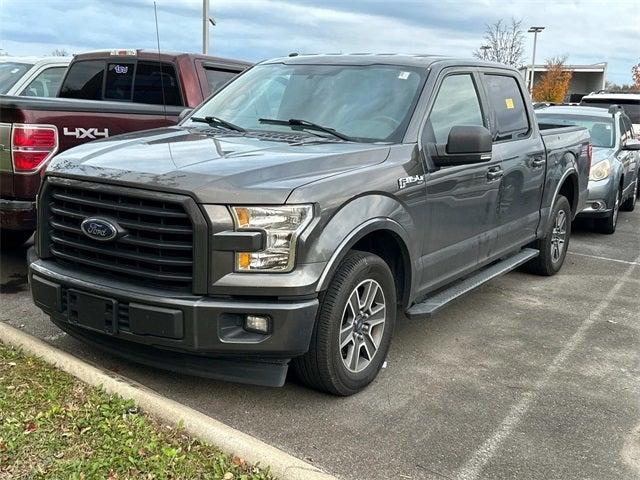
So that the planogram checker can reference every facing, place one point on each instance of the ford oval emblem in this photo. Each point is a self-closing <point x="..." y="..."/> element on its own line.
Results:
<point x="99" y="229"/>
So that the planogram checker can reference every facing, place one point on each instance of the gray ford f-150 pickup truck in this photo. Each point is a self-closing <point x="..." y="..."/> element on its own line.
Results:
<point x="294" y="213"/>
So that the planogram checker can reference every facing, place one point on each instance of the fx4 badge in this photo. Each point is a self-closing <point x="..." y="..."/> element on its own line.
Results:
<point x="80" y="132"/>
<point x="413" y="180"/>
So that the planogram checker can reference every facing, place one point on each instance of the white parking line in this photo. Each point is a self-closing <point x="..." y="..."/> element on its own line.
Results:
<point x="626" y="262"/>
<point x="473" y="467"/>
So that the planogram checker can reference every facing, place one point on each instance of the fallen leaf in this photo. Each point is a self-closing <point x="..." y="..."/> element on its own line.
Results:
<point x="31" y="427"/>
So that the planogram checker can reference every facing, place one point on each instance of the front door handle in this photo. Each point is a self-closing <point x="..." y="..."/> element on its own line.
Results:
<point x="494" y="173"/>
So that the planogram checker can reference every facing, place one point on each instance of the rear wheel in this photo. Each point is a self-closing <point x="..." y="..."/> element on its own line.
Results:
<point x="353" y="330"/>
<point x="608" y="224"/>
<point x="630" y="204"/>
<point x="553" y="246"/>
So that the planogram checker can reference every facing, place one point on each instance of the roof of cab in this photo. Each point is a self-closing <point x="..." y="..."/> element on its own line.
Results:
<point x="33" y="60"/>
<point x="411" y="60"/>
<point x="154" y="55"/>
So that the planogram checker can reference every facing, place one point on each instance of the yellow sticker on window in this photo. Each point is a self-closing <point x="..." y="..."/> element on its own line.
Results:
<point x="509" y="102"/>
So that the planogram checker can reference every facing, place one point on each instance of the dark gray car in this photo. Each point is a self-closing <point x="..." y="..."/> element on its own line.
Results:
<point x="292" y="214"/>
<point x="613" y="180"/>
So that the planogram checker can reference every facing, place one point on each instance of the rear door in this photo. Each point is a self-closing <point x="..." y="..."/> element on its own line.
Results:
<point x="520" y="151"/>
<point x="461" y="199"/>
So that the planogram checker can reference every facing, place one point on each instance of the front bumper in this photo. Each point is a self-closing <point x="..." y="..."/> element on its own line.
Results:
<point x="198" y="335"/>
<point x="601" y="198"/>
<point x="17" y="214"/>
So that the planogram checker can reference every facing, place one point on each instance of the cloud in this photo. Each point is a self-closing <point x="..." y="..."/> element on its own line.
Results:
<point x="587" y="31"/>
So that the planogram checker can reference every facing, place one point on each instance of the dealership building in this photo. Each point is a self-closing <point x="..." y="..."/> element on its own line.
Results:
<point x="585" y="78"/>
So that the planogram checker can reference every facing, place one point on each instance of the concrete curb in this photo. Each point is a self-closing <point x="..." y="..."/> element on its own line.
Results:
<point x="199" y="425"/>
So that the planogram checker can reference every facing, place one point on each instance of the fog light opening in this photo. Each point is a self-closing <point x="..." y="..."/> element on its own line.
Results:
<point x="257" y="324"/>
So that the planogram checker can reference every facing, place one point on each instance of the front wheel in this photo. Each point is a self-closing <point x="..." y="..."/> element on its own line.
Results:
<point x="553" y="246"/>
<point x="353" y="329"/>
<point x="630" y="203"/>
<point x="610" y="222"/>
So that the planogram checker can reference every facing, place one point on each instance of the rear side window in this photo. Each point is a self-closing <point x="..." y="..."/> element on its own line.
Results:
<point x="119" y="81"/>
<point x="84" y="80"/>
<point x="456" y="104"/>
<point x="508" y="104"/>
<point x="151" y="79"/>
<point x="217" y="78"/>
<point x="46" y="84"/>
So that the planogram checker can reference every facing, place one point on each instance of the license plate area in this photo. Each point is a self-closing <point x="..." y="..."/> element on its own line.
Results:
<point x="92" y="311"/>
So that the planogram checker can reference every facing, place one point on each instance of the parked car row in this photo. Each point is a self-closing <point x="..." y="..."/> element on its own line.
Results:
<point x="291" y="215"/>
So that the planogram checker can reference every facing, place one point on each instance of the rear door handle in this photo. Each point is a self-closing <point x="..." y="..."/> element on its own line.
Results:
<point x="538" y="162"/>
<point x="494" y="173"/>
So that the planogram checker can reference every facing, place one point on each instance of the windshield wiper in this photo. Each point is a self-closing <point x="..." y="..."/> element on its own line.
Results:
<point x="216" y="121"/>
<point x="296" y="122"/>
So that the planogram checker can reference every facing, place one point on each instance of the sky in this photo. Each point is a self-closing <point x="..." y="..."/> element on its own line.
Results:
<point x="586" y="31"/>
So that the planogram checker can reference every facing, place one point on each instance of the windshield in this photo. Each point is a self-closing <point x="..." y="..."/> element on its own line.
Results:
<point x="600" y="128"/>
<point x="631" y="107"/>
<point x="367" y="103"/>
<point x="10" y="73"/>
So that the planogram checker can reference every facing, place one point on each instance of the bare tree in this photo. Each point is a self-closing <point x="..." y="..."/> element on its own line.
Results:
<point x="505" y="42"/>
<point x="59" y="52"/>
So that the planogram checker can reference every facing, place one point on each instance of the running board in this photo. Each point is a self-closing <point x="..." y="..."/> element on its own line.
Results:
<point x="434" y="303"/>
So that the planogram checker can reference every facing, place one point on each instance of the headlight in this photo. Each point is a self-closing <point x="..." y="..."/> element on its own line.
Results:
<point x="281" y="225"/>
<point x="600" y="171"/>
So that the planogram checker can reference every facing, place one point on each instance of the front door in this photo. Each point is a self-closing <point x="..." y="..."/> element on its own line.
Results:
<point x="461" y="199"/>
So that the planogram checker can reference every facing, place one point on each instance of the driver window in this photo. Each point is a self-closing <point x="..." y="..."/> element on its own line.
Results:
<point x="456" y="104"/>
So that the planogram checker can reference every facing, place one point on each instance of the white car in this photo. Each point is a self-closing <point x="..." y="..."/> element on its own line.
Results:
<point x="629" y="101"/>
<point x="32" y="76"/>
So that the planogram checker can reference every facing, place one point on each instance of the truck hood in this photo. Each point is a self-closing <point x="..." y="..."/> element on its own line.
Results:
<point x="211" y="166"/>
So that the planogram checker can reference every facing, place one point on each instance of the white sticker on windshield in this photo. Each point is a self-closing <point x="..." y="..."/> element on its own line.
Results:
<point x="15" y="70"/>
<point x="404" y="75"/>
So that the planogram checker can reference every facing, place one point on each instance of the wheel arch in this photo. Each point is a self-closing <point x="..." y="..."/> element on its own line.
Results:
<point x="383" y="237"/>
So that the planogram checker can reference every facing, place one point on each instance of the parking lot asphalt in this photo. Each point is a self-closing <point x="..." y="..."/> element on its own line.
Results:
<point x="526" y="377"/>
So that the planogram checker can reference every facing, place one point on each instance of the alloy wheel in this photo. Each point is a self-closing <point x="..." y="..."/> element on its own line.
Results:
<point x="558" y="236"/>
<point x="362" y="325"/>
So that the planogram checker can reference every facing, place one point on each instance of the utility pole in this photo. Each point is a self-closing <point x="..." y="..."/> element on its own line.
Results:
<point x="205" y="26"/>
<point x="206" y="20"/>
<point x="535" y="31"/>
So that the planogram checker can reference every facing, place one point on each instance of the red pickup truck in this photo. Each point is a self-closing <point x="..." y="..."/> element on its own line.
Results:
<point x="102" y="94"/>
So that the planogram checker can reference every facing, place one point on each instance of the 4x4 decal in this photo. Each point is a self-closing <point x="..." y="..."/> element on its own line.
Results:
<point x="80" y="132"/>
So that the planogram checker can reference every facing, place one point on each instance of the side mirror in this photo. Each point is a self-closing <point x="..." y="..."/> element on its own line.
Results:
<point x="184" y="113"/>
<point x="465" y="145"/>
<point x="631" y="144"/>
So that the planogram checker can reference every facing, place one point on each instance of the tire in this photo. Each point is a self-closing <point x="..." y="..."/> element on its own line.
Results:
<point x="608" y="224"/>
<point x="326" y="366"/>
<point x="630" y="204"/>
<point x="13" y="238"/>
<point x="553" y="246"/>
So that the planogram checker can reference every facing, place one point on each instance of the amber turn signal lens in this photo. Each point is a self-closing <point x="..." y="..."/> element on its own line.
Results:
<point x="244" y="260"/>
<point x="243" y="216"/>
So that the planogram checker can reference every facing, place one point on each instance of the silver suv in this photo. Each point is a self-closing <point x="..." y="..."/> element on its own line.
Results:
<point x="613" y="181"/>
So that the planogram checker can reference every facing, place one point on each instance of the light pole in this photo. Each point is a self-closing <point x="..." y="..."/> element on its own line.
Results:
<point x="485" y="51"/>
<point x="535" y="31"/>
<point x="206" y="19"/>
